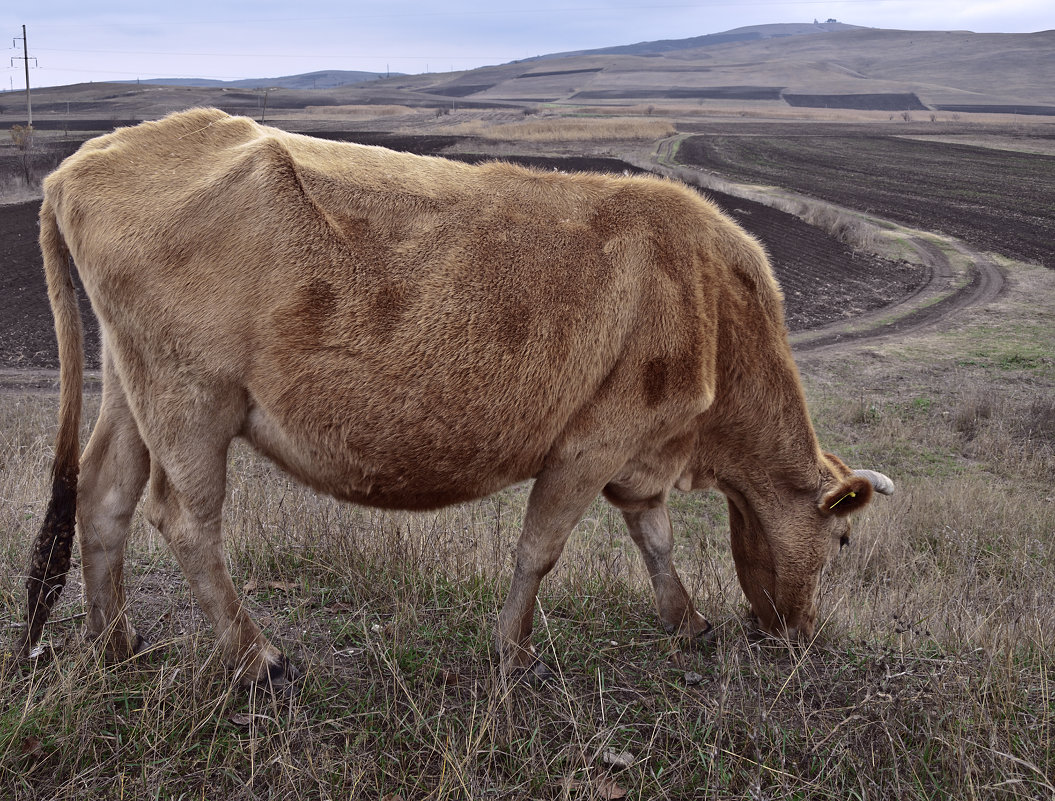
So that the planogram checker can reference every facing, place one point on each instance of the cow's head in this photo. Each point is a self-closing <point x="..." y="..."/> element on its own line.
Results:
<point x="781" y="544"/>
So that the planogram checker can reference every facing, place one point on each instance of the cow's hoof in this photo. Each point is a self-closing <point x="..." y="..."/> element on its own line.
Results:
<point x="39" y="654"/>
<point x="282" y="679"/>
<point x="537" y="674"/>
<point x="141" y="646"/>
<point x="121" y="648"/>
<point x="701" y="632"/>
<point x="705" y="637"/>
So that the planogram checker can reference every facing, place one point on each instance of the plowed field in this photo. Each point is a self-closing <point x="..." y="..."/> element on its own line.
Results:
<point x="823" y="279"/>
<point x="995" y="200"/>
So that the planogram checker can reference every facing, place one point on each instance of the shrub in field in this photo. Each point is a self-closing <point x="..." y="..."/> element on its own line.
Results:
<point x="1039" y="421"/>
<point x="844" y="226"/>
<point x="972" y="412"/>
<point x="22" y="136"/>
<point x="26" y="160"/>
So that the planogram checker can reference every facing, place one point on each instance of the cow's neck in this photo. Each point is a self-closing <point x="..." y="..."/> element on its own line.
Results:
<point x="757" y="445"/>
<point x="757" y="438"/>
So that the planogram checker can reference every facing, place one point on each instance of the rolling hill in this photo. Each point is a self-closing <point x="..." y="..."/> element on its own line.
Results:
<point x="825" y="65"/>
<point x="934" y="69"/>
<point x="321" y="79"/>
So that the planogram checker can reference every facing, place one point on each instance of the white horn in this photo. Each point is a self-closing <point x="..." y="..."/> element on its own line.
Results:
<point x="878" y="481"/>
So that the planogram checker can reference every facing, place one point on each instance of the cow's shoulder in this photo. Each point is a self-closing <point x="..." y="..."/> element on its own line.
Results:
<point x="180" y="145"/>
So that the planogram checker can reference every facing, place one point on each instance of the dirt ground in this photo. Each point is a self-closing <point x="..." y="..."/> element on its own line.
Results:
<point x="995" y="200"/>
<point x="824" y="281"/>
<point x="27" y="337"/>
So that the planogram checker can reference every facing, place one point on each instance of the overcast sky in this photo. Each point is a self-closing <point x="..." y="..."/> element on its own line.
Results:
<point x="100" y="40"/>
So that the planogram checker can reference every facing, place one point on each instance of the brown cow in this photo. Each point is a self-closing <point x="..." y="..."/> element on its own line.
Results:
<point x="411" y="332"/>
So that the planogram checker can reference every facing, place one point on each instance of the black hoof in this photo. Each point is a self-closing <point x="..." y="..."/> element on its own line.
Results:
<point x="282" y="679"/>
<point x="537" y="674"/>
<point x="706" y="637"/>
<point x="141" y="646"/>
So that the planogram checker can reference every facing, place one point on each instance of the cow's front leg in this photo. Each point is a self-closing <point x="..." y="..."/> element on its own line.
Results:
<point x="651" y="531"/>
<point x="558" y="500"/>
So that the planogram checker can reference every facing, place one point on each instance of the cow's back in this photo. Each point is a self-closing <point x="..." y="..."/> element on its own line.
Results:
<point x="407" y="330"/>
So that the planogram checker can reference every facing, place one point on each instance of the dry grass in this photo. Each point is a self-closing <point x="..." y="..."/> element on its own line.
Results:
<point x="932" y="676"/>
<point x="567" y="129"/>
<point x="359" y="112"/>
<point x="14" y="189"/>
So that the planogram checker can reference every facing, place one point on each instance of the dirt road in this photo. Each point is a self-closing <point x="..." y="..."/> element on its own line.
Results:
<point x="946" y="290"/>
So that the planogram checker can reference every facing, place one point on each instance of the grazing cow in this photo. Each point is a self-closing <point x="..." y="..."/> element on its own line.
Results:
<point x="410" y="332"/>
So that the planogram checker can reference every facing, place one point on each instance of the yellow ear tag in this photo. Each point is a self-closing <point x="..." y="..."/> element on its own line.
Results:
<point x="847" y="495"/>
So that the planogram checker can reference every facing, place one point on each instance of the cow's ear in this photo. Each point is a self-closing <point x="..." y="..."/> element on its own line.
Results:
<point x="851" y="494"/>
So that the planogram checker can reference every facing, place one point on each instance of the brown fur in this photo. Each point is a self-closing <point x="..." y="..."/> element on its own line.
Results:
<point x="411" y="332"/>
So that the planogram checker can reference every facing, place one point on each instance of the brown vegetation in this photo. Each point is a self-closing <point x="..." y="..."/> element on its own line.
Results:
<point x="931" y="676"/>
<point x="567" y="129"/>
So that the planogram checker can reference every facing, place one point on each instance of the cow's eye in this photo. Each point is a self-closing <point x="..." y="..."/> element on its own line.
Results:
<point x="844" y="540"/>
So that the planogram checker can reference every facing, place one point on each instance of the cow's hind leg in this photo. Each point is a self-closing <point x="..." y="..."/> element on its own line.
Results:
<point x="185" y="500"/>
<point x="649" y="525"/>
<point x="114" y="469"/>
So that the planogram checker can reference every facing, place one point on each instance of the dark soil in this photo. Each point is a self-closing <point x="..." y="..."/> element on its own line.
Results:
<point x="557" y="72"/>
<point x="27" y="335"/>
<point x="823" y="279"/>
<point x="684" y="93"/>
<point x="984" y="108"/>
<point x="889" y="101"/>
<point x="995" y="200"/>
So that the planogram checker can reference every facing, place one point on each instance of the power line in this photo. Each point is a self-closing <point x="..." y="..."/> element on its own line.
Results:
<point x="417" y="56"/>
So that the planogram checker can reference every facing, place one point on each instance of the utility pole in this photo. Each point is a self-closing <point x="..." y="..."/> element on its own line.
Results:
<point x="25" y="57"/>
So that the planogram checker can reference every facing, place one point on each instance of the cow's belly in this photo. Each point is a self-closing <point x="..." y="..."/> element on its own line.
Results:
<point x="399" y="476"/>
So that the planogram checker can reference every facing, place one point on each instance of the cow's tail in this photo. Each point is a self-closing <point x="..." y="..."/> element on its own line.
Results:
<point x="50" y="559"/>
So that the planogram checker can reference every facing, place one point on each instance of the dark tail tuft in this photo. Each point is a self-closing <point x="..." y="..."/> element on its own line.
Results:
<point x="50" y="561"/>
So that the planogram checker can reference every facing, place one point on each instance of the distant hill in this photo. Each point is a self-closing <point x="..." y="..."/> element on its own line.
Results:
<point x="831" y="65"/>
<point x="323" y="79"/>
<point x="764" y="67"/>
<point x="751" y="33"/>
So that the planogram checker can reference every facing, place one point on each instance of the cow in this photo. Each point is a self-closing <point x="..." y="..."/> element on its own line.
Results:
<point x="410" y="332"/>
